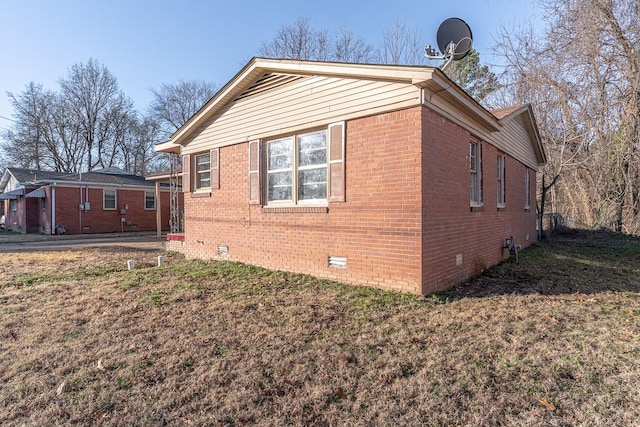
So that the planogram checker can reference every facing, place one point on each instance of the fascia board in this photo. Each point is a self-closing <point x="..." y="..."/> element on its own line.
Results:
<point x="364" y="71"/>
<point x="439" y="86"/>
<point x="91" y="184"/>
<point x="535" y="133"/>
<point x="167" y="147"/>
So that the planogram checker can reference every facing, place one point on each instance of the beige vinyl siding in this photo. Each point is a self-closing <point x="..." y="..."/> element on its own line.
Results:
<point x="301" y="104"/>
<point x="514" y="140"/>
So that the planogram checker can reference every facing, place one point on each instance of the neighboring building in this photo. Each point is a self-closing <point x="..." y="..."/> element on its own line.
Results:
<point x="102" y="201"/>
<point x="381" y="175"/>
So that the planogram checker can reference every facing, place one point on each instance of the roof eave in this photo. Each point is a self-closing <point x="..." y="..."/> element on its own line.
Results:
<point x="167" y="147"/>
<point x="164" y="177"/>
<point x="439" y="85"/>
<point x="538" y="147"/>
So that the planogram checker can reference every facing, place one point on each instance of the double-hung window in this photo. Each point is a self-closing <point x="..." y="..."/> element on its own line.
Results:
<point x="203" y="171"/>
<point x="501" y="183"/>
<point x="109" y="199"/>
<point x="150" y="200"/>
<point x="475" y="163"/>
<point x="297" y="169"/>
<point x="527" y="190"/>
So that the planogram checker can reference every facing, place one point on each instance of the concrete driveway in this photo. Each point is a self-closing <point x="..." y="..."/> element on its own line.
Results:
<point x="39" y="242"/>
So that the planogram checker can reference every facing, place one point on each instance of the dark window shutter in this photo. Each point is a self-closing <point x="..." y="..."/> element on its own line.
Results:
<point x="254" y="172"/>
<point x="504" y="179"/>
<point x="186" y="173"/>
<point x="337" y="162"/>
<point x="214" y="158"/>
<point x="480" y="171"/>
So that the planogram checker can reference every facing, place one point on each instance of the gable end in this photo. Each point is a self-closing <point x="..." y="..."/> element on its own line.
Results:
<point x="267" y="82"/>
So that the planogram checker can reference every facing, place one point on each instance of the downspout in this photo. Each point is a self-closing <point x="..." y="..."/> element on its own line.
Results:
<point x="53" y="209"/>
<point x="80" y="206"/>
<point x="158" y="210"/>
<point x="23" y="213"/>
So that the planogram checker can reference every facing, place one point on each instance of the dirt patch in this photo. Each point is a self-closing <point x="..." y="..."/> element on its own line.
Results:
<point x="553" y="340"/>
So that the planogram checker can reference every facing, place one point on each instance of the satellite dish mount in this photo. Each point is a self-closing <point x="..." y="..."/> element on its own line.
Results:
<point x="454" y="41"/>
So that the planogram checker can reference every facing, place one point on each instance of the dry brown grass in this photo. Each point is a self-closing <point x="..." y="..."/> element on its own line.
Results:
<point x="554" y="340"/>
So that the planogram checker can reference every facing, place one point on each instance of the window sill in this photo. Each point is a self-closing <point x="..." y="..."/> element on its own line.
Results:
<point x="198" y="194"/>
<point x="477" y="208"/>
<point x="501" y="206"/>
<point x="296" y="209"/>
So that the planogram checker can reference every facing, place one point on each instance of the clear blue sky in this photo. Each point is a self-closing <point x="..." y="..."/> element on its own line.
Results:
<point x="146" y="43"/>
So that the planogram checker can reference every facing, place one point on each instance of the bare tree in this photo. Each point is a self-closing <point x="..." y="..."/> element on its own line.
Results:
<point x="137" y="154"/>
<point x="65" y="146"/>
<point x="42" y="137"/>
<point x="402" y="44"/>
<point x="300" y="41"/>
<point x="23" y="144"/>
<point x="297" y="41"/>
<point x="583" y="77"/>
<point x="174" y="104"/>
<point x="98" y="107"/>
<point x="90" y="123"/>
<point x="353" y="49"/>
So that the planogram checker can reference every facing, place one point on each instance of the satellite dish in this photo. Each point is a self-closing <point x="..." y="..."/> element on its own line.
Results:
<point x="456" y="31"/>
<point x="454" y="41"/>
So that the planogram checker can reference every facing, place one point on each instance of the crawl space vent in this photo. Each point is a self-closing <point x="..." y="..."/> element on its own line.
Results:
<point x="223" y="249"/>
<point x="338" y="261"/>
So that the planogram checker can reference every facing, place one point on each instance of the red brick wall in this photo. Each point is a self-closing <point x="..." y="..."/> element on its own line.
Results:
<point x="98" y="220"/>
<point x="377" y="228"/>
<point x="399" y="228"/>
<point x="15" y="220"/>
<point x="453" y="231"/>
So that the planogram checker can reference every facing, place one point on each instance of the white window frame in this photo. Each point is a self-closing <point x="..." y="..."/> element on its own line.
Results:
<point x="104" y="199"/>
<point x="527" y="190"/>
<point x="500" y="177"/>
<point x="295" y="169"/>
<point x="13" y="205"/>
<point x="197" y="174"/>
<point x="475" y="168"/>
<point x="149" y="194"/>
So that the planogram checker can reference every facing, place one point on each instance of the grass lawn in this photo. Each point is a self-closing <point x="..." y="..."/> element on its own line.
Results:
<point x="552" y="340"/>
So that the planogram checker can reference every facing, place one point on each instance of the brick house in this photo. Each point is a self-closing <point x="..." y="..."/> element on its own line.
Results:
<point x="380" y="175"/>
<point x="102" y="201"/>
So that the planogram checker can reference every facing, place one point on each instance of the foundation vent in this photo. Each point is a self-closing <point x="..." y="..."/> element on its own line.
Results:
<point x="337" y="261"/>
<point x="223" y="250"/>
